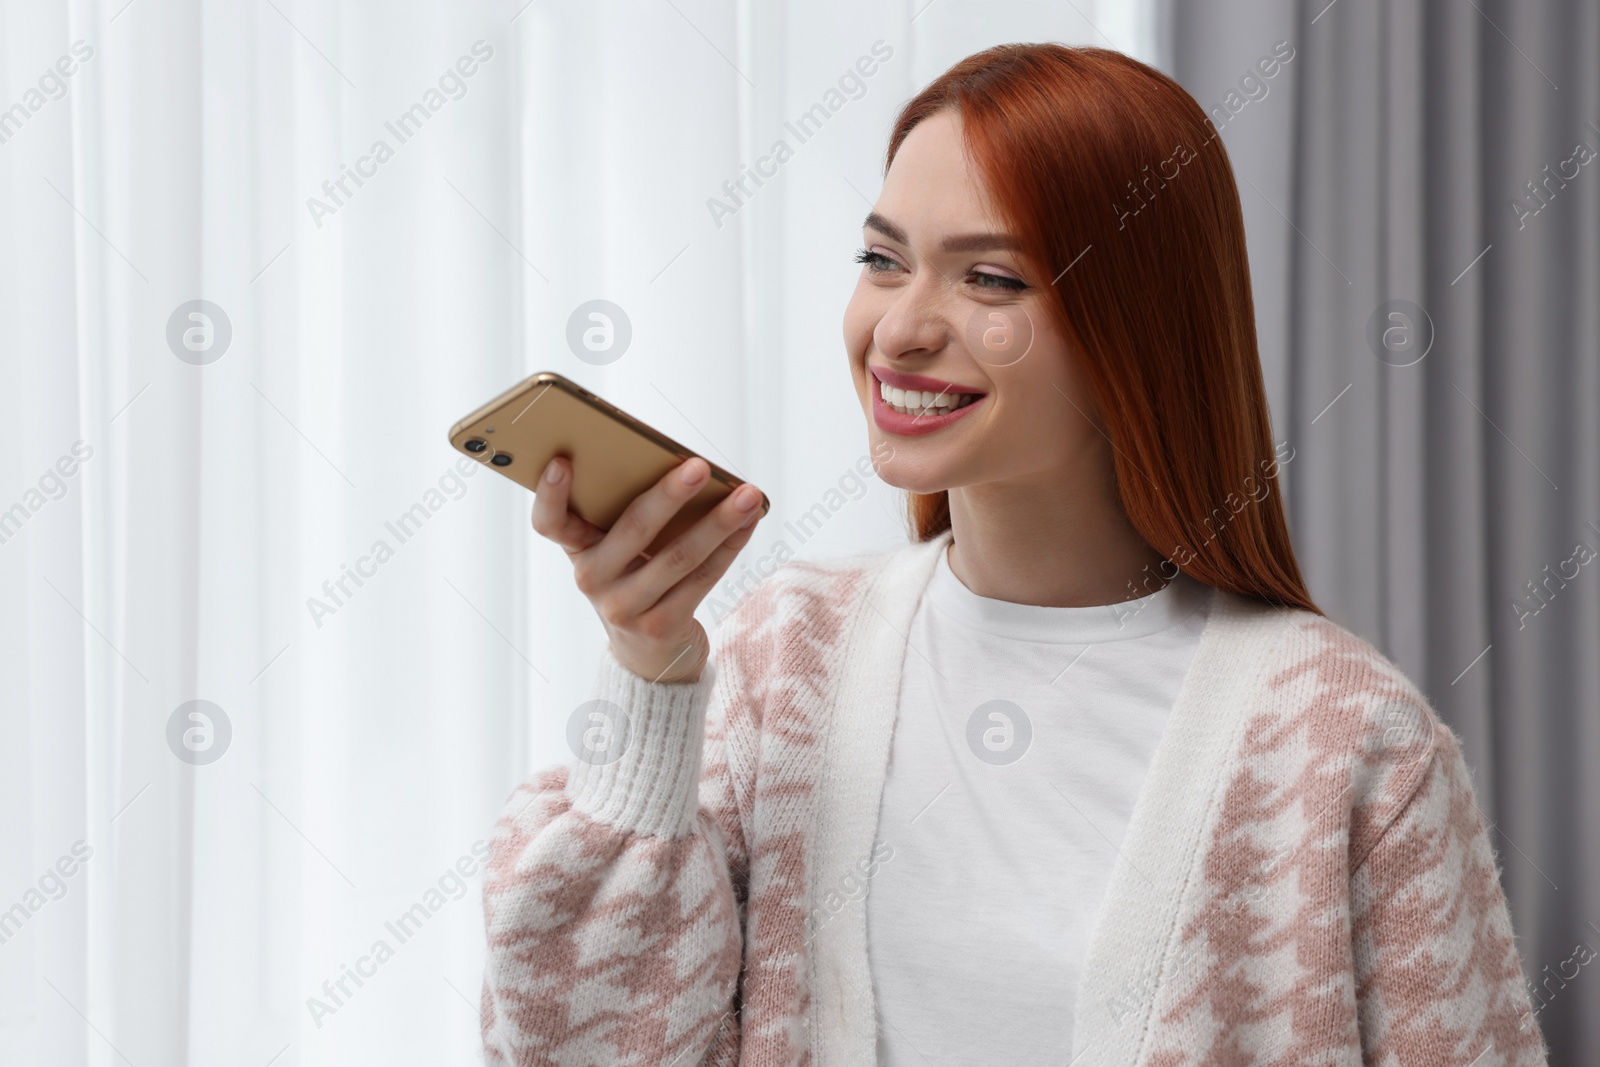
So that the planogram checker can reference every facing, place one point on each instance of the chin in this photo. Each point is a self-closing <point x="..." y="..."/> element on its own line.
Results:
<point x="910" y="473"/>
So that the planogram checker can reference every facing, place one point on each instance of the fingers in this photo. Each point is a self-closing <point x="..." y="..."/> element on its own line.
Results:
<point x="551" y="516"/>
<point x="700" y="555"/>
<point x="641" y="520"/>
<point x="651" y="598"/>
<point x="687" y="594"/>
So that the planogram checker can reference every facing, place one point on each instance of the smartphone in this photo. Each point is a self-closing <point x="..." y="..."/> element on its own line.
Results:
<point x="614" y="456"/>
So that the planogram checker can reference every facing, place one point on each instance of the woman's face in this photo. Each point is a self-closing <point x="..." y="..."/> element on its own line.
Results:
<point x="944" y="305"/>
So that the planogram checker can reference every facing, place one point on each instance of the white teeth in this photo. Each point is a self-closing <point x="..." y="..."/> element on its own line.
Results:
<point x="920" y="402"/>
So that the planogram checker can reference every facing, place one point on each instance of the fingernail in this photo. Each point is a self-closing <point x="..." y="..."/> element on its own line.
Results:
<point x="746" y="497"/>
<point x="552" y="473"/>
<point x="692" y="473"/>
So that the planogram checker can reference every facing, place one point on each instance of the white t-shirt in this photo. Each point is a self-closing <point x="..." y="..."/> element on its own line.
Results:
<point x="1022" y="737"/>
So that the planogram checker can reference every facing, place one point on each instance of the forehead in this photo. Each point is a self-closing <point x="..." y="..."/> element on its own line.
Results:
<point x="932" y="187"/>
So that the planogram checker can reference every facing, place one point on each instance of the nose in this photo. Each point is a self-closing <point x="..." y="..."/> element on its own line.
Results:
<point x="915" y="322"/>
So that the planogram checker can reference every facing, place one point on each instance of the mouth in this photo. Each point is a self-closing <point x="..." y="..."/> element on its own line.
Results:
<point x="912" y="405"/>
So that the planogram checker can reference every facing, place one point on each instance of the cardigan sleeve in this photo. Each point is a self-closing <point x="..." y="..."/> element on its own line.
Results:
<point x="1438" y="977"/>
<point x="614" y="897"/>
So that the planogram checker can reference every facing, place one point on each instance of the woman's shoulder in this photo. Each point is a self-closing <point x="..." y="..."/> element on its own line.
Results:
<point x="1316" y="666"/>
<point x="776" y="588"/>
<point x="785" y="629"/>
<point x="1326" y="699"/>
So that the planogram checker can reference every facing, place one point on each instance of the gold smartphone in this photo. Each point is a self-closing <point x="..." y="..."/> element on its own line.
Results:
<point x="614" y="456"/>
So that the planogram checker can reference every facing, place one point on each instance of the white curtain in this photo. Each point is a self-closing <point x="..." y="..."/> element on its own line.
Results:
<point x="248" y="756"/>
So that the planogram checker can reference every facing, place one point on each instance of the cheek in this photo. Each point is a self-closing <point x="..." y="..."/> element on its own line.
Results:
<point x="861" y="316"/>
<point x="1046" y="398"/>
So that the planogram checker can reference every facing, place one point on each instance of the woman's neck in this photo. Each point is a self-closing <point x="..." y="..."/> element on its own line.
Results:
<point x="1050" y="539"/>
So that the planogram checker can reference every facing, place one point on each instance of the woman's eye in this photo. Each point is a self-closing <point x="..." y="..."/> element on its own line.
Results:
<point x="876" y="262"/>
<point x="986" y="280"/>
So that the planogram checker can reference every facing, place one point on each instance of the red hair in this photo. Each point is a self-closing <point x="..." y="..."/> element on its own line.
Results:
<point x="1089" y="153"/>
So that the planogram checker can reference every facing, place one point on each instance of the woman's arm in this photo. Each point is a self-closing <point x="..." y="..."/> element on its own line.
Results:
<point x="615" y="892"/>
<point x="1438" y="977"/>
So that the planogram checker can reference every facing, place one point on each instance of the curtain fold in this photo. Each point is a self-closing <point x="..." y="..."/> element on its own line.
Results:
<point x="1427" y="279"/>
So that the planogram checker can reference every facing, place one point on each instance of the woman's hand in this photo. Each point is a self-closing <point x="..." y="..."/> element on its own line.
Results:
<point x="647" y="605"/>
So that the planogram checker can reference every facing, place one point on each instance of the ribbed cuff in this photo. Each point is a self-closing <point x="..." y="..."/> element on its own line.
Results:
<point x="646" y="779"/>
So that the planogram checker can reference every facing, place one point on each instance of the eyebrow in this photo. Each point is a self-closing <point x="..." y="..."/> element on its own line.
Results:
<point x="970" y="242"/>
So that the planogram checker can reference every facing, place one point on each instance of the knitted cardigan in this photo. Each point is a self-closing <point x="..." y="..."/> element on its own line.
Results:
<point x="1305" y="879"/>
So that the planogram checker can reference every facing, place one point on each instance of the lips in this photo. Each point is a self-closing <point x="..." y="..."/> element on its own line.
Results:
<point x="937" y="403"/>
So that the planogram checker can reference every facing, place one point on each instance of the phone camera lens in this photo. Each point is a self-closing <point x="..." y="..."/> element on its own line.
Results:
<point x="475" y="445"/>
<point x="501" y="459"/>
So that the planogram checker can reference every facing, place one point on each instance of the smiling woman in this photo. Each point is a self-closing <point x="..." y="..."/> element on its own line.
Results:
<point x="1032" y="150"/>
<point x="1265" y="825"/>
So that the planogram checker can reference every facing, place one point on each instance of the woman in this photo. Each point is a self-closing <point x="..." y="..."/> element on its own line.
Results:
<point x="1120" y="793"/>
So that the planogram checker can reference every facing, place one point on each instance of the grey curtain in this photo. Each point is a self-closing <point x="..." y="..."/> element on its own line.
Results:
<point x="1421" y="183"/>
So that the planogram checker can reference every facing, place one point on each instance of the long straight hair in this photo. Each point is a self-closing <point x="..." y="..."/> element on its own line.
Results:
<point x="1116" y="184"/>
